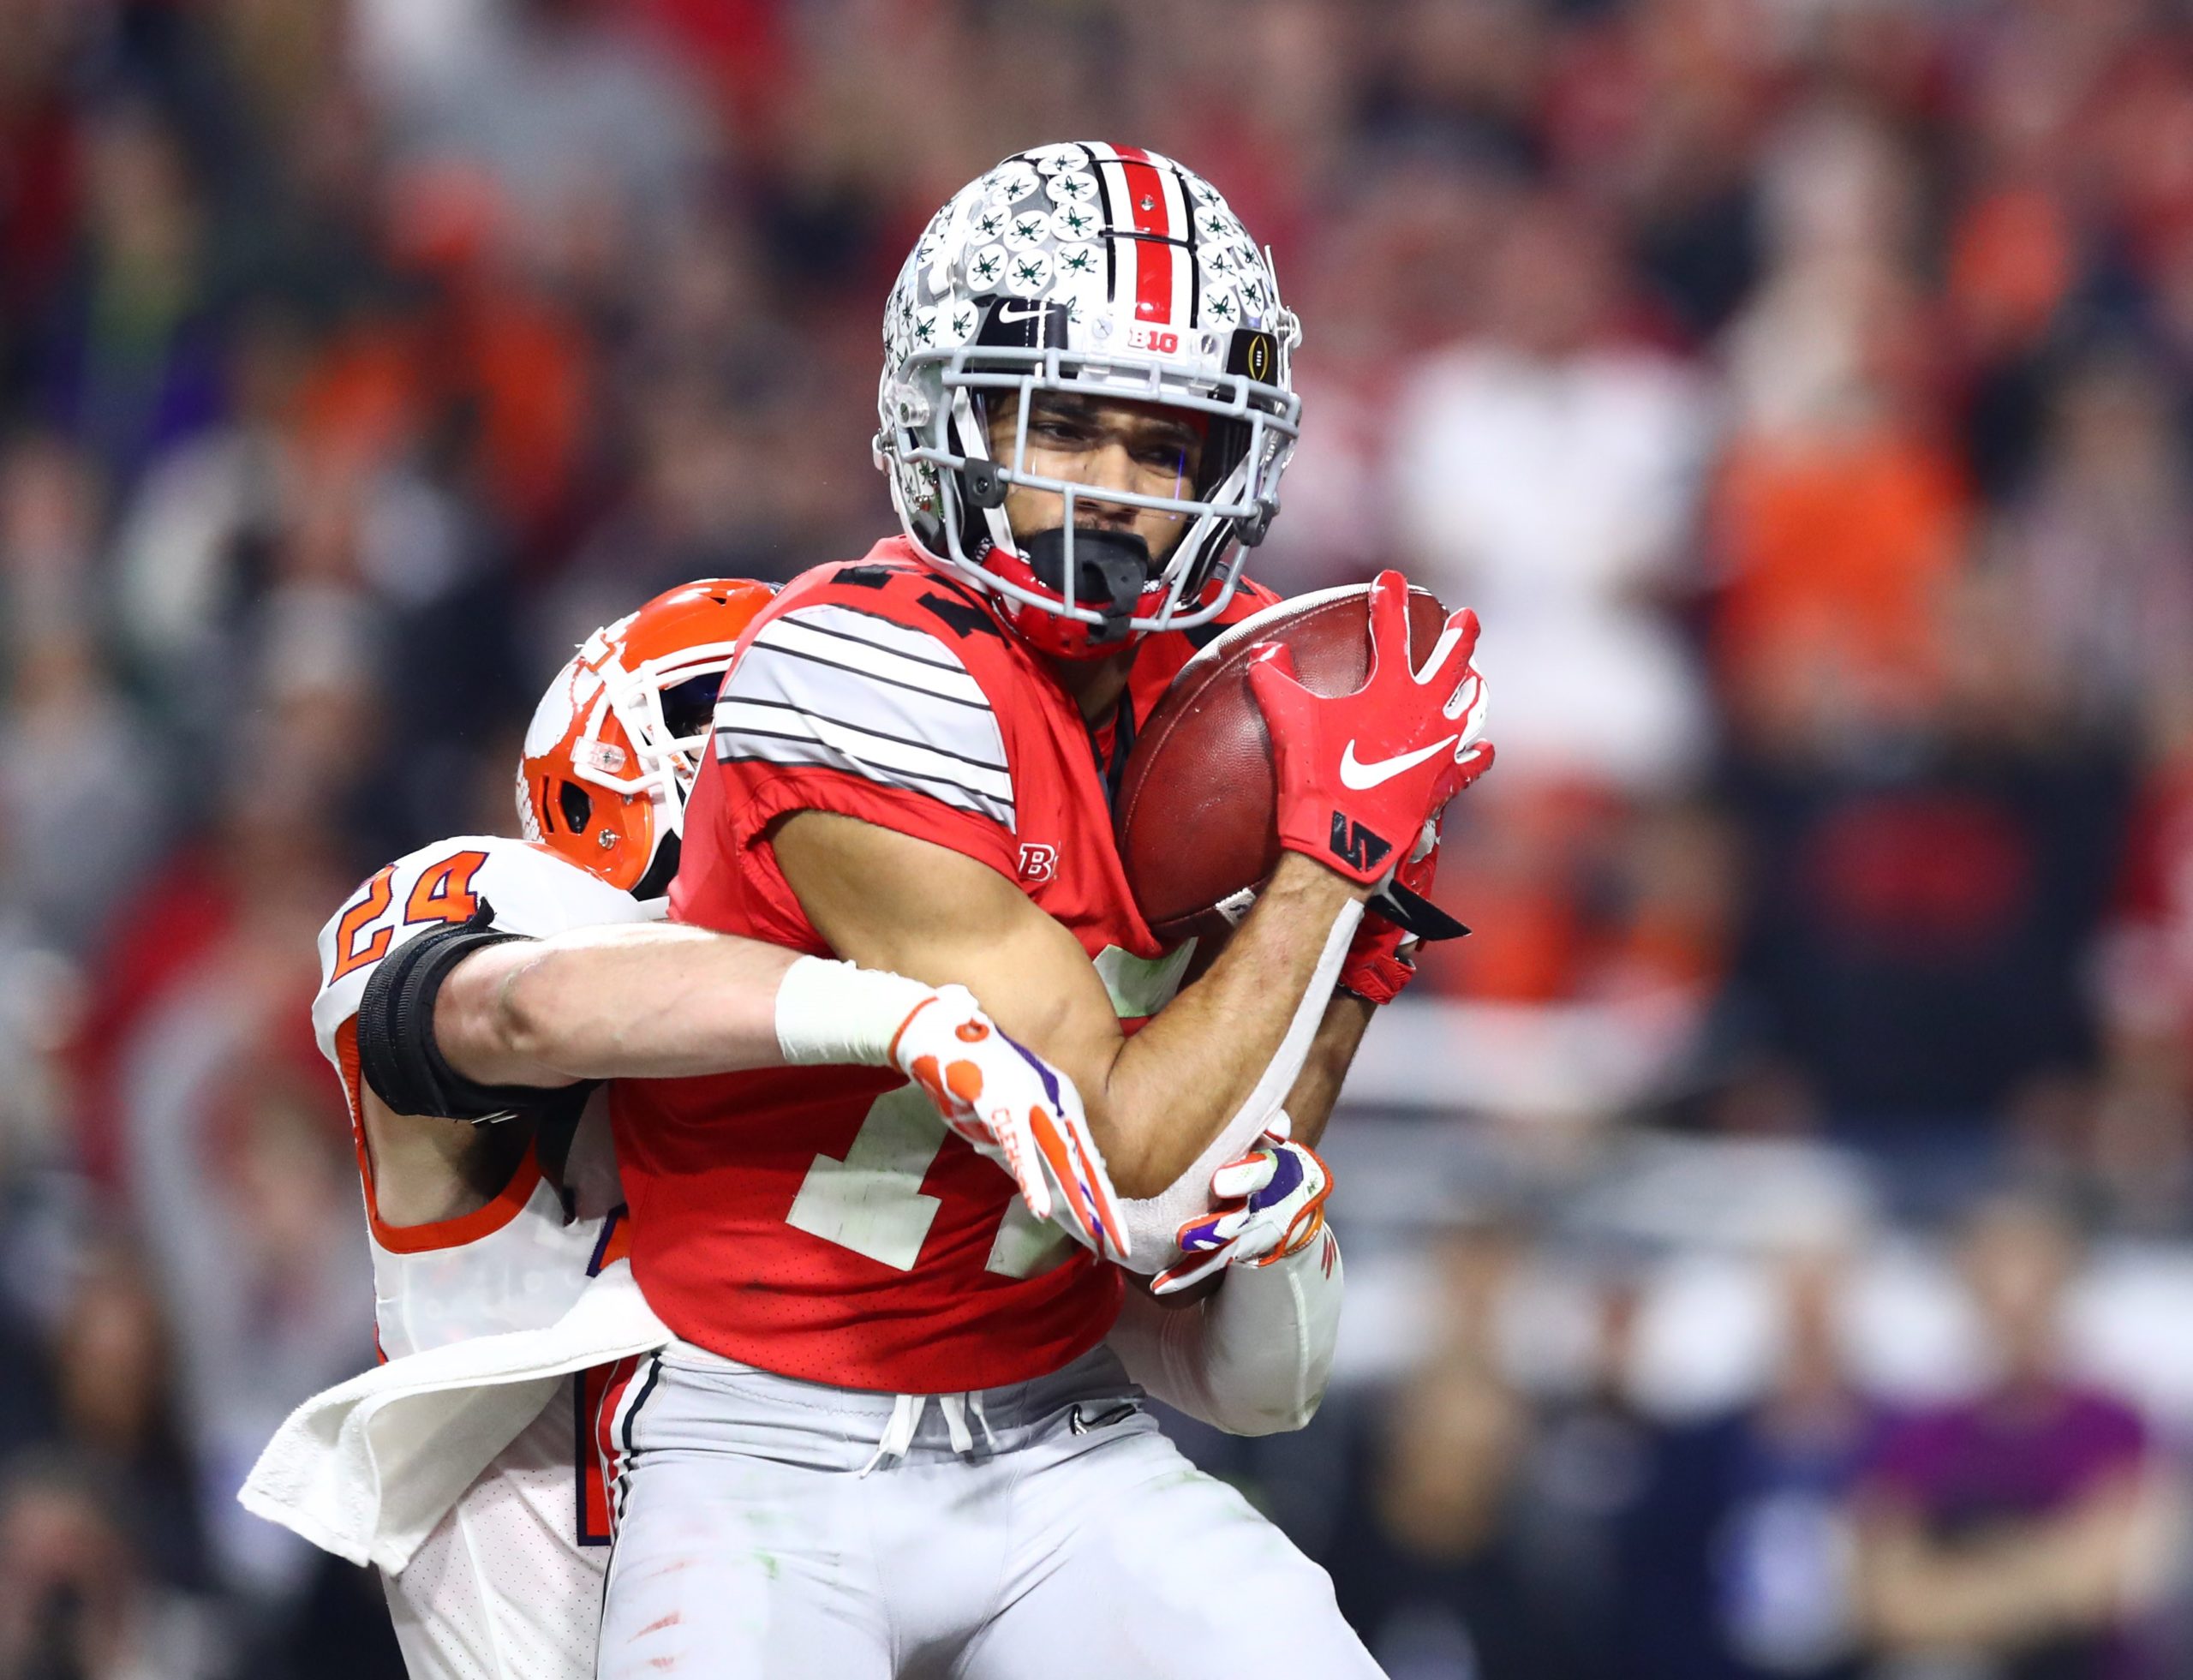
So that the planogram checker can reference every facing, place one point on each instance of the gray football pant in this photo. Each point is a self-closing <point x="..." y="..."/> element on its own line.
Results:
<point x="750" y="1546"/>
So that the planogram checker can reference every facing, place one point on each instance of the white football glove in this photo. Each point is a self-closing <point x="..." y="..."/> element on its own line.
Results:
<point x="1016" y="1109"/>
<point x="1265" y="1206"/>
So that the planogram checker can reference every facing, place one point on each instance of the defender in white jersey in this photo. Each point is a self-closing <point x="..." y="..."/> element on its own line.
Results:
<point x="515" y="1260"/>
<point x="481" y="1230"/>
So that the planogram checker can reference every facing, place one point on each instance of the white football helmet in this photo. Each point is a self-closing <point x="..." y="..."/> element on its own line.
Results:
<point x="1101" y="270"/>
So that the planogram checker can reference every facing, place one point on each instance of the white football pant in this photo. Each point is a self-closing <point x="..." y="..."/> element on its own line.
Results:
<point x="1041" y="1528"/>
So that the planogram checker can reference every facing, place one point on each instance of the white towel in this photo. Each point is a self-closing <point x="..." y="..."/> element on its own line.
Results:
<point x="365" y="1469"/>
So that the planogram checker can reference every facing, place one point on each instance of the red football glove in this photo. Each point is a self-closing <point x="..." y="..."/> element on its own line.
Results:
<point x="1381" y="959"/>
<point x="1360" y="773"/>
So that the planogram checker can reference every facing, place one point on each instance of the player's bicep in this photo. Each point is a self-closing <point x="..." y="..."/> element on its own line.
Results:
<point x="426" y="1169"/>
<point x="888" y="900"/>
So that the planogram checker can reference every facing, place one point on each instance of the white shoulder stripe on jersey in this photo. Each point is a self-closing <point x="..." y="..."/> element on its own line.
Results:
<point x="865" y="627"/>
<point x="832" y="686"/>
<point x="887" y="700"/>
<point x="777" y="733"/>
<point x="744" y="712"/>
<point x="848" y="652"/>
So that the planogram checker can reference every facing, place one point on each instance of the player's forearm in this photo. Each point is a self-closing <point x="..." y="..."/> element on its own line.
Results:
<point x="1156" y="1102"/>
<point x="1340" y="1035"/>
<point x="1171" y="1088"/>
<point x="654" y="1002"/>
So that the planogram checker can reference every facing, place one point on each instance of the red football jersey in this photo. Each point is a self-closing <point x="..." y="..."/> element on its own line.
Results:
<point x="821" y="1222"/>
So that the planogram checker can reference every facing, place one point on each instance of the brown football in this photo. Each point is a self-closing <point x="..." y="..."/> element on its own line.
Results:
<point x="1197" y="818"/>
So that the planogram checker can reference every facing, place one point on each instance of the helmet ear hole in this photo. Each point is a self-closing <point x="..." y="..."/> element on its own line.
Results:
<point x="576" y="805"/>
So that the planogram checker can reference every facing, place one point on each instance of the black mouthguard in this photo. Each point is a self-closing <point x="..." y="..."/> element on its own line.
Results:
<point x="1110" y="569"/>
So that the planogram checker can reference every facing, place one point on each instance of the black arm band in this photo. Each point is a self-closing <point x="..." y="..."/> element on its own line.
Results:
<point x="397" y="1052"/>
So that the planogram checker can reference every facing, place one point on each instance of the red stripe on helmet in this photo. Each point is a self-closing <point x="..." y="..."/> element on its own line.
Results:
<point x="1154" y="256"/>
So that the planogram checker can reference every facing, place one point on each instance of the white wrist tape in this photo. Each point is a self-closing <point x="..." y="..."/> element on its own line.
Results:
<point x="1153" y="1223"/>
<point x="838" y="1013"/>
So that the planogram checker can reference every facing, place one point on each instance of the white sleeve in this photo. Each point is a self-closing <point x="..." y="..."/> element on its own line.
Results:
<point x="532" y="891"/>
<point x="1252" y="1360"/>
<point x="1152" y="1222"/>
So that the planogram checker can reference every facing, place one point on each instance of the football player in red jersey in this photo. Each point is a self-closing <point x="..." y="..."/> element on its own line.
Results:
<point x="491" y="972"/>
<point x="1085" y="410"/>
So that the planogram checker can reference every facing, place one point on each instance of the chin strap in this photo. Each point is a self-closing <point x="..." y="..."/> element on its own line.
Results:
<point x="979" y="486"/>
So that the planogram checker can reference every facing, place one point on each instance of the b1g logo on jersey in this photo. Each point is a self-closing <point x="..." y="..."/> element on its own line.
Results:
<point x="1039" y="864"/>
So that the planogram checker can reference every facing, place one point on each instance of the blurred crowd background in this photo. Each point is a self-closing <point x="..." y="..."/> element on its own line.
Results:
<point x="1771" y="1234"/>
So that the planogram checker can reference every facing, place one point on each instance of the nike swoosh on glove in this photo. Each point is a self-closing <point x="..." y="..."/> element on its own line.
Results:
<point x="1360" y="773"/>
<point x="1016" y="1109"/>
<point x="1265" y="1206"/>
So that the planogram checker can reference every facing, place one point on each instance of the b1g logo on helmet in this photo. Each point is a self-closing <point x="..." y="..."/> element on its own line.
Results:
<point x="1162" y="339"/>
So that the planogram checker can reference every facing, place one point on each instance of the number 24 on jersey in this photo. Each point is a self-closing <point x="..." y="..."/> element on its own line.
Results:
<point x="443" y="893"/>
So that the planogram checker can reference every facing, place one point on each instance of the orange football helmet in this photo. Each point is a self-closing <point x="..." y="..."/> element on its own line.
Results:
<point x="616" y="741"/>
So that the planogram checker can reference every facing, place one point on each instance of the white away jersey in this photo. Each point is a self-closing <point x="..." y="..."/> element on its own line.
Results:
<point x="519" y="1262"/>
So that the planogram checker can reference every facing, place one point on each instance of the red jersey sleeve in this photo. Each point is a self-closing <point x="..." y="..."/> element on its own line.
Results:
<point x="1161" y="657"/>
<point x="832" y="707"/>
